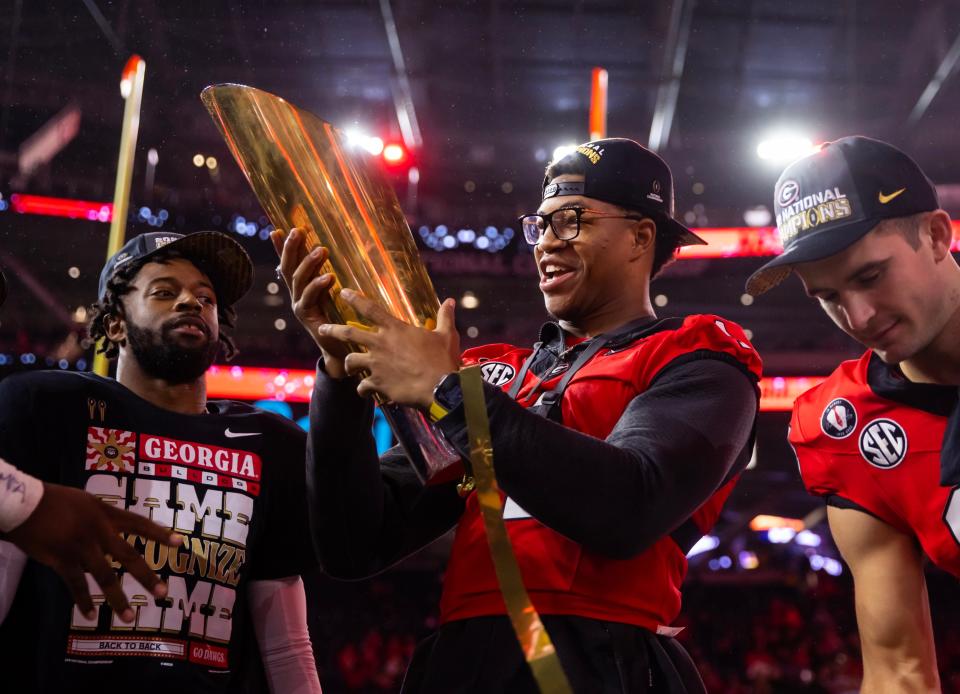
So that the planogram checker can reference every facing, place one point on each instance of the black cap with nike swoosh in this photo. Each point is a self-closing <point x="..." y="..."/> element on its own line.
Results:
<point x="829" y="200"/>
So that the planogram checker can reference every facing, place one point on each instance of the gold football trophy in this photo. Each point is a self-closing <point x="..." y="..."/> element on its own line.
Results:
<point x="306" y="175"/>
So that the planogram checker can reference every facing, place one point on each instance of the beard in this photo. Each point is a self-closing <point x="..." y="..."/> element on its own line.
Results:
<point x="161" y="355"/>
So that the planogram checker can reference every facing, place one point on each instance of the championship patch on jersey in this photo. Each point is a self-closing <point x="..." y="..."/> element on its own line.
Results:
<point x="883" y="443"/>
<point x="497" y="373"/>
<point x="111" y="450"/>
<point x="839" y="419"/>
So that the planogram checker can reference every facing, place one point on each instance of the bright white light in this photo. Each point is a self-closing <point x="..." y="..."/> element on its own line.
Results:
<point x="704" y="544"/>
<point x="780" y="536"/>
<point x="817" y="562"/>
<point x="198" y="160"/>
<point x="757" y="216"/>
<point x="661" y="300"/>
<point x="832" y="567"/>
<point x="153" y="157"/>
<point x="562" y="151"/>
<point x="469" y="300"/>
<point x="784" y="147"/>
<point x="211" y="163"/>
<point x="807" y="538"/>
<point x="374" y="145"/>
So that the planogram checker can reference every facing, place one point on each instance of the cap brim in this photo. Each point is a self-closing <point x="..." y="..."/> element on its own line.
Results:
<point x="684" y="235"/>
<point x="222" y="259"/>
<point x="815" y="246"/>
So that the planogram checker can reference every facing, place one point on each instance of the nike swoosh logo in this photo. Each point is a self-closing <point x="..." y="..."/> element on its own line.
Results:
<point x="884" y="199"/>
<point x="239" y="434"/>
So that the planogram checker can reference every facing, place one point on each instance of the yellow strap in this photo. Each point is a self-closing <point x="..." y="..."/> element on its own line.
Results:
<point x="531" y="634"/>
<point x="437" y="411"/>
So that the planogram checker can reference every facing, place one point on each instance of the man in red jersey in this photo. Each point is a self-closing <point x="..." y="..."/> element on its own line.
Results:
<point x="862" y="227"/>
<point x="616" y="440"/>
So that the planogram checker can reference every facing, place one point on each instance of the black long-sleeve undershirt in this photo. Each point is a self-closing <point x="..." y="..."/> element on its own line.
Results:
<point x="669" y="451"/>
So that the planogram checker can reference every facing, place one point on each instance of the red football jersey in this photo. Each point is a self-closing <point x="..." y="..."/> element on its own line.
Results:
<point x="560" y="575"/>
<point x="869" y="436"/>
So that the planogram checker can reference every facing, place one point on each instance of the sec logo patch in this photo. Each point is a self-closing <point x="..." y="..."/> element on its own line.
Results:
<point x="883" y="443"/>
<point x="839" y="419"/>
<point x="497" y="373"/>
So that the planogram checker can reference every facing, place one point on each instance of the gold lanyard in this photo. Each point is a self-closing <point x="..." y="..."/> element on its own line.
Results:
<point x="537" y="648"/>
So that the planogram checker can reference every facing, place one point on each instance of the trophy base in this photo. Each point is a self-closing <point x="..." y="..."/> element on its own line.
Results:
<point x="432" y="457"/>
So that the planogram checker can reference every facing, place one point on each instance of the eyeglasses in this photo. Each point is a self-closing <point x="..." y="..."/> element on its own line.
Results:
<point x="564" y="222"/>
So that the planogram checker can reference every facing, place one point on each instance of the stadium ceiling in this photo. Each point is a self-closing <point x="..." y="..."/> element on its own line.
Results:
<point x="494" y="86"/>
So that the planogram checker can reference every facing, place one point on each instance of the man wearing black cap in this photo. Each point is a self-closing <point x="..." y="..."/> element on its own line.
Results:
<point x="222" y="474"/>
<point x="70" y="531"/>
<point x="862" y="227"/>
<point x="617" y="439"/>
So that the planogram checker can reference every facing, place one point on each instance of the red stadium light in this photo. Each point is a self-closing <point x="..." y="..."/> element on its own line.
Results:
<point x="394" y="154"/>
<point x="62" y="207"/>
<point x="777" y="393"/>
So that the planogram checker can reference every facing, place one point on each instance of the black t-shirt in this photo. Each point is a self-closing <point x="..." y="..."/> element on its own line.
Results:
<point x="231" y="481"/>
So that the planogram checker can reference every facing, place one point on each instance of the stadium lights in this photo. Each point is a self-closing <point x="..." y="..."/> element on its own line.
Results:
<point x="562" y="151"/>
<point x="785" y="147"/>
<point x="249" y="383"/>
<point x="764" y="522"/>
<point x="356" y="138"/>
<point x="394" y="153"/>
<point x="722" y="242"/>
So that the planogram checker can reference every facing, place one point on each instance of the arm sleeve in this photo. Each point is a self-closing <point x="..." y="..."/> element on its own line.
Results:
<point x="669" y="452"/>
<point x="365" y="513"/>
<point x="278" y="609"/>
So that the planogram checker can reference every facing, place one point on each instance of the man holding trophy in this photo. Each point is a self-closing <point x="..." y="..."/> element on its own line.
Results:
<point x="617" y="439"/>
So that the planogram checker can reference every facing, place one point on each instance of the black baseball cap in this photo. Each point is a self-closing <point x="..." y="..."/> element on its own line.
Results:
<point x="217" y="255"/>
<point x="623" y="172"/>
<point x="831" y="199"/>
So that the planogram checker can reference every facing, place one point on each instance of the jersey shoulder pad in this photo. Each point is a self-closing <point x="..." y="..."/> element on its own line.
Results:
<point x="700" y="333"/>
<point x="829" y="409"/>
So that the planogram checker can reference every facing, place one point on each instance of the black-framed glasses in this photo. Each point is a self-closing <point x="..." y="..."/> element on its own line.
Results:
<point x="564" y="222"/>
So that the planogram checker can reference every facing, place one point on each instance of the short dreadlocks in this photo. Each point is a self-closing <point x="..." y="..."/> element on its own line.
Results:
<point x="121" y="283"/>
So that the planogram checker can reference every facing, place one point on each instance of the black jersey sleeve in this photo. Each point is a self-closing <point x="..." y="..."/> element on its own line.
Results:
<point x="366" y="512"/>
<point x="669" y="452"/>
<point x="286" y="550"/>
